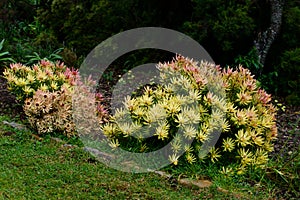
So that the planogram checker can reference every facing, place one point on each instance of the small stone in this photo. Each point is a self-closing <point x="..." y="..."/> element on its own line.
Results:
<point x="15" y="125"/>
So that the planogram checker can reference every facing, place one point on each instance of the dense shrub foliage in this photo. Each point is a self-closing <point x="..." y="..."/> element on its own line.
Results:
<point x="85" y="23"/>
<point x="46" y="90"/>
<point x="221" y="27"/>
<point x="195" y="101"/>
<point x="284" y="56"/>
<point x="24" y="81"/>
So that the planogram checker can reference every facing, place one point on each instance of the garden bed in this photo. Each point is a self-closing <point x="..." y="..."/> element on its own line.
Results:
<point x="286" y="146"/>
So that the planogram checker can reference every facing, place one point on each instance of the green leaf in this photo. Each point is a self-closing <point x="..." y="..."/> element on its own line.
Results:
<point x="1" y="44"/>
<point x="4" y="53"/>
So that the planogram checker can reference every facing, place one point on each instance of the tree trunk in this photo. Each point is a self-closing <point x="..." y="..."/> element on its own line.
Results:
<point x="267" y="37"/>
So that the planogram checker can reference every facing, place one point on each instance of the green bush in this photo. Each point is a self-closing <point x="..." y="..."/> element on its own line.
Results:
<point x="194" y="101"/>
<point x="284" y="55"/>
<point x="289" y="78"/>
<point x="83" y="24"/>
<point x="221" y="27"/>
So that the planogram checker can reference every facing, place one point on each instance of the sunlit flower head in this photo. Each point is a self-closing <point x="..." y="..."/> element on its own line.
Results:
<point x="174" y="159"/>
<point x="228" y="144"/>
<point x="214" y="154"/>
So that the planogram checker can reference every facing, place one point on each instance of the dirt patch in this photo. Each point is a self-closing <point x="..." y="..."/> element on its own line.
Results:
<point x="8" y="103"/>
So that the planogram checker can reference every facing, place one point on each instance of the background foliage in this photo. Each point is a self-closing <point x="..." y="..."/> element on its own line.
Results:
<point x="227" y="30"/>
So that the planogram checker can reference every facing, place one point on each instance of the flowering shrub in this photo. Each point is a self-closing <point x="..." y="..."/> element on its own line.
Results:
<point x="50" y="111"/>
<point x="195" y="102"/>
<point x="23" y="81"/>
<point x="46" y="89"/>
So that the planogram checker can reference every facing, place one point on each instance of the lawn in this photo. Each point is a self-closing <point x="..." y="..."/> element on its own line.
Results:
<point x="43" y="168"/>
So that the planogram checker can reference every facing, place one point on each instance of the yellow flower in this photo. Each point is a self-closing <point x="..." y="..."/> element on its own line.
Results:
<point x="130" y="103"/>
<point x="53" y="85"/>
<point x="146" y="100"/>
<point x="242" y="138"/>
<point x="155" y="113"/>
<point x="216" y="117"/>
<point x="148" y="90"/>
<point x="114" y="143"/>
<point x="245" y="155"/>
<point x="67" y="87"/>
<point x="174" y="159"/>
<point x="190" y="158"/>
<point x="227" y="171"/>
<point x="160" y="93"/>
<point x="209" y="98"/>
<point x="120" y="114"/>
<point x="240" y="118"/>
<point x="241" y="170"/>
<point x="194" y="95"/>
<point x="162" y="131"/>
<point x="176" y="146"/>
<point x="21" y="82"/>
<point x="27" y="90"/>
<point x="268" y="146"/>
<point x="214" y="154"/>
<point x="192" y="114"/>
<point x="7" y="72"/>
<point x="225" y="125"/>
<point x="139" y="112"/>
<point x="201" y="136"/>
<point x="30" y="78"/>
<point x="61" y="77"/>
<point x="185" y="83"/>
<point x="109" y="129"/>
<point x="44" y="87"/>
<point x="202" y="110"/>
<point x="244" y="98"/>
<point x="272" y="134"/>
<point x="41" y="75"/>
<point x="9" y="77"/>
<point x="266" y="122"/>
<point x="126" y="128"/>
<point x="171" y="106"/>
<point x="188" y="148"/>
<point x="258" y="140"/>
<point x="190" y="132"/>
<point x="231" y="108"/>
<point x="261" y="157"/>
<point x="181" y="119"/>
<point x="228" y="144"/>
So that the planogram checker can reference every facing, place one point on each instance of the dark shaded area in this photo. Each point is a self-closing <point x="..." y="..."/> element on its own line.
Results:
<point x="227" y="30"/>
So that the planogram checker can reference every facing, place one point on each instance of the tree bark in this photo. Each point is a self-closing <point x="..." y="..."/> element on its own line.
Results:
<point x="267" y="37"/>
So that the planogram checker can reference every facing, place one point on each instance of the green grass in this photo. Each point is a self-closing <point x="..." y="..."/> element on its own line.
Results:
<point x="33" y="169"/>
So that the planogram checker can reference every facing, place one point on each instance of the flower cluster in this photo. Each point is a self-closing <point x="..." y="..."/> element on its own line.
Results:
<point x="252" y="118"/>
<point x="24" y="81"/>
<point x="194" y="102"/>
<point x="50" y="111"/>
<point x="47" y="90"/>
